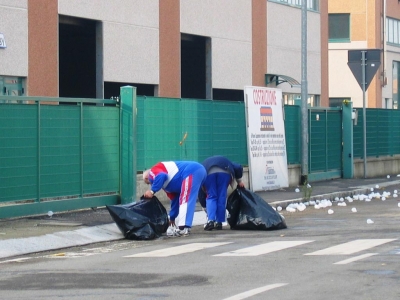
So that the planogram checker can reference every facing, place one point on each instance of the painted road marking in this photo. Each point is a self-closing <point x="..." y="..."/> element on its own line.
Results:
<point x="264" y="248"/>
<point x="351" y="247"/>
<point x="18" y="260"/>
<point x="255" y="291"/>
<point x="178" y="250"/>
<point x="350" y="260"/>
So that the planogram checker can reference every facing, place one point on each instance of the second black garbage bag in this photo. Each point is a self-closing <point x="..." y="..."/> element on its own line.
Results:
<point x="143" y="220"/>
<point x="247" y="210"/>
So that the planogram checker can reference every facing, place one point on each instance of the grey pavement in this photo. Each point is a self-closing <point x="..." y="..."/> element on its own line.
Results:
<point x="21" y="236"/>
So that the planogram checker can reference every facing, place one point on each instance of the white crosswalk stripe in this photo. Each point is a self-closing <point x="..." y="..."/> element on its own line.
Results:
<point x="353" y="259"/>
<point x="178" y="250"/>
<point x="351" y="247"/>
<point x="256" y="291"/>
<point x="264" y="248"/>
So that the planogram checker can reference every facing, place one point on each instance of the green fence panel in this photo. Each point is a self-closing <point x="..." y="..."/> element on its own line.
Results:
<point x="18" y="152"/>
<point x="229" y="128"/>
<point x="189" y="129"/>
<point x="325" y="139"/>
<point x="395" y="132"/>
<point x="292" y="133"/>
<point x="383" y="133"/>
<point x="59" y="150"/>
<point x="100" y="149"/>
<point x="162" y="130"/>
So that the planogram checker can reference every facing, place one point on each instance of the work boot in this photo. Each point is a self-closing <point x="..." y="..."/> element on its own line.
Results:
<point x="218" y="226"/>
<point x="209" y="226"/>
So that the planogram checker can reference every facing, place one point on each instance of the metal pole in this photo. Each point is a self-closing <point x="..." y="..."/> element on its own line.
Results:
<point x="363" y="64"/>
<point x="304" y="94"/>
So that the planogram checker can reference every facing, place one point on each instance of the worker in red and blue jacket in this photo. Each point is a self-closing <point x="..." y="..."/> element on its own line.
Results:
<point x="181" y="180"/>
<point x="221" y="172"/>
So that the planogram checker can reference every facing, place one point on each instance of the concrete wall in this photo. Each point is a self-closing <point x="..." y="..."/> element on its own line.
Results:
<point x="377" y="166"/>
<point x="342" y="82"/>
<point x="228" y="24"/>
<point x="284" y="46"/>
<point x="131" y="36"/>
<point x="14" y="27"/>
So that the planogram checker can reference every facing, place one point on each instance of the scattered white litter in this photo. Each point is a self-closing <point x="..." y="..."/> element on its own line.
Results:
<point x="354" y="210"/>
<point x="279" y="208"/>
<point x="297" y="190"/>
<point x="398" y="204"/>
<point x="342" y="204"/>
<point x="383" y="198"/>
<point x="50" y="213"/>
<point x="377" y="186"/>
<point x="290" y="209"/>
<point x="372" y="189"/>
<point x="395" y="192"/>
<point x="388" y="176"/>
<point x="369" y="221"/>
<point x="330" y="211"/>
<point x="394" y="195"/>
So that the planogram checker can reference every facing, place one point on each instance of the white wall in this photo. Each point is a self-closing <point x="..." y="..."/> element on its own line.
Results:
<point x="342" y="82"/>
<point x="14" y="27"/>
<point x="228" y="24"/>
<point x="392" y="55"/>
<point x="131" y="36"/>
<point x="284" y="46"/>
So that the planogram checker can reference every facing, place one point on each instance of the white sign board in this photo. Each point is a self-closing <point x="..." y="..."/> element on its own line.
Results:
<point x="2" y="41"/>
<point x="266" y="143"/>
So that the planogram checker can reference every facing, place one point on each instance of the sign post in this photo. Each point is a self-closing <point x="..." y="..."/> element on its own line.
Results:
<point x="266" y="143"/>
<point x="364" y="64"/>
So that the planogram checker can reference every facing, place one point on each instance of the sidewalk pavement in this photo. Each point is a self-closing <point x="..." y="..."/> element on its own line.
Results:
<point x="21" y="236"/>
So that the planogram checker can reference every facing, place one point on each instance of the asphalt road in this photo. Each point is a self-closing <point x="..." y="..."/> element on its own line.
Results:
<point x="319" y="256"/>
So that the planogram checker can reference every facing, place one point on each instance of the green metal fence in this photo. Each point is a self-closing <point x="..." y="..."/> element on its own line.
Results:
<point x="383" y="133"/>
<point x="325" y="143"/>
<point x="49" y="153"/>
<point x="88" y="150"/>
<point x="189" y="129"/>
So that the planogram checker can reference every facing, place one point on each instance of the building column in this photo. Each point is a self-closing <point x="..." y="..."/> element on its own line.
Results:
<point x="42" y="48"/>
<point x="259" y="41"/>
<point x="170" y="48"/>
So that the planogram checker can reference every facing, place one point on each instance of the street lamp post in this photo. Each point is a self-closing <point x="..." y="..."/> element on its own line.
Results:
<point x="304" y="94"/>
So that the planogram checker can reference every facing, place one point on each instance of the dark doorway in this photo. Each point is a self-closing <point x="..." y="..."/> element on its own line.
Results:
<point x="77" y="57"/>
<point x="225" y="94"/>
<point x="112" y="89"/>
<point x="193" y="66"/>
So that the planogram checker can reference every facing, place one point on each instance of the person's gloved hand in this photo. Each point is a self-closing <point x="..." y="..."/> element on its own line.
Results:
<point x="172" y="223"/>
<point x="240" y="185"/>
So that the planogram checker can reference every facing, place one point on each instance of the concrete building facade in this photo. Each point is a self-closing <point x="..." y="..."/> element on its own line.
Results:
<point x="204" y="49"/>
<point x="363" y="25"/>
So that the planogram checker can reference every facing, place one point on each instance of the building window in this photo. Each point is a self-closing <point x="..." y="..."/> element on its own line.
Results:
<point x="393" y="31"/>
<point x="339" y="28"/>
<point x="295" y="99"/>
<point x="311" y="4"/>
<point x="337" y="102"/>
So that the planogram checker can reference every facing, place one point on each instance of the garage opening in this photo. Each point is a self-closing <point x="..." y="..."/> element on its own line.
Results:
<point x="112" y="89"/>
<point x="77" y="57"/>
<point x="195" y="66"/>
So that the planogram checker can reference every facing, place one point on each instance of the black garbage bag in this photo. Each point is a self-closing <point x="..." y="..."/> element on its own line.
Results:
<point x="143" y="220"/>
<point x="247" y="210"/>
